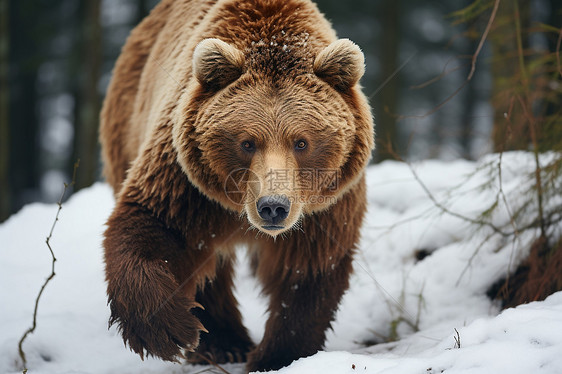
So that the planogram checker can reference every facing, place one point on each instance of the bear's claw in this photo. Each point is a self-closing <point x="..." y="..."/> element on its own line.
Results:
<point x="222" y="347"/>
<point x="161" y="337"/>
<point x="162" y="333"/>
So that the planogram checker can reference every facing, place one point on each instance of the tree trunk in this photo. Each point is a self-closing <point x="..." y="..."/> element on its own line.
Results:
<point x="86" y="140"/>
<point x="387" y="141"/>
<point x="25" y="58"/>
<point x="142" y="10"/>
<point x="5" y="193"/>
<point x="466" y="135"/>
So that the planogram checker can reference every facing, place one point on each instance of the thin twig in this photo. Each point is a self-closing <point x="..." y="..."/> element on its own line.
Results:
<point x="504" y="197"/>
<point x="396" y="71"/>
<point x="457" y="339"/>
<point x="438" y="106"/>
<point x="421" y="304"/>
<point x="443" y="208"/>
<point x="472" y="68"/>
<point x="211" y="362"/>
<point x="483" y="39"/>
<point x="389" y="228"/>
<point x="472" y="257"/>
<point x="450" y="212"/>
<point x="51" y="276"/>
<point x="511" y="218"/>
<point x="443" y="74"/>
<point x="558" y="52"/>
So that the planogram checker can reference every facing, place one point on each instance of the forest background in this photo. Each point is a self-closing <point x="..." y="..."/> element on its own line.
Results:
<point x="440" y="76"/>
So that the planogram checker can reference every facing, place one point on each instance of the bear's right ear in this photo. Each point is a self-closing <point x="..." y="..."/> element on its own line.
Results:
<point x="341" y="64"/>
<point x="216" y="63"/>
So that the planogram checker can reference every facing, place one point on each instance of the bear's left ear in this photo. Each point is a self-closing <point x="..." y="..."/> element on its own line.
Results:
<point x="341" y="64"/>
<point x="216" y="63"/>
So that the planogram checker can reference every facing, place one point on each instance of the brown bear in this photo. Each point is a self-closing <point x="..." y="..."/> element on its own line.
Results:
<point x="227" y="123"/>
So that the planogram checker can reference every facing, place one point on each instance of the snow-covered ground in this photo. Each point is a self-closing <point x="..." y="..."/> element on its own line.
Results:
<point x="411" y="307"/>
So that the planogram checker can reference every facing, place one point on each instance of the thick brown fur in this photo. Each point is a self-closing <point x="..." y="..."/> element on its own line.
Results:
<point x="195" y="82"/>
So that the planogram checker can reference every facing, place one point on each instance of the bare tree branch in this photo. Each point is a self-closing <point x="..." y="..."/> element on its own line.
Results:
<point x="51" y="276"/>
<point x="558" y="52"/>
<point x="472" y="68"/>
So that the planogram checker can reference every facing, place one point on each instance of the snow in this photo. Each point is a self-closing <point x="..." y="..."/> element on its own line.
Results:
<point x="410" y="307"/>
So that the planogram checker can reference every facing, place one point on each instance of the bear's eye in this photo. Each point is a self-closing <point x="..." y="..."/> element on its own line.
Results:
<point x="300" y="145"/>
<point x="248" y="146"/>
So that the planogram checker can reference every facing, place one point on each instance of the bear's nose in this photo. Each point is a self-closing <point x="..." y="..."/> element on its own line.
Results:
<point x="274" y="208"/>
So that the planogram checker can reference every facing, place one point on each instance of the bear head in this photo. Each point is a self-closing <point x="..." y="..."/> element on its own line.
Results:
<point x="273" y="133"/>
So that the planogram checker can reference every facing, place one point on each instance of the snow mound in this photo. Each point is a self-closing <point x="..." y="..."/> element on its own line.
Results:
<point x="422" y="271"/>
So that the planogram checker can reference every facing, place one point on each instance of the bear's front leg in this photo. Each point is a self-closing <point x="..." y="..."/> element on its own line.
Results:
<point x="227" y="339"/>
<point x="302" y="306"/>
<point x="147" y="303"/>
